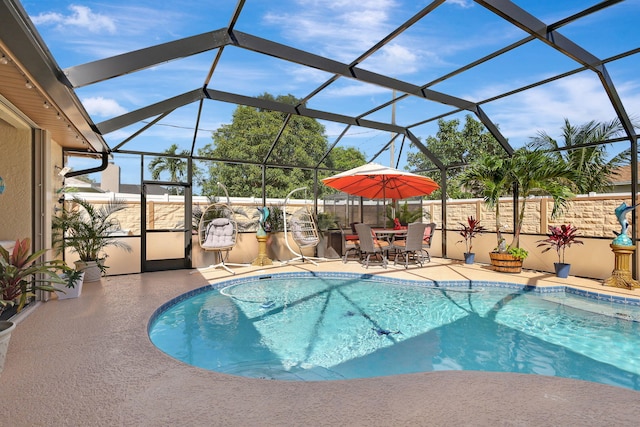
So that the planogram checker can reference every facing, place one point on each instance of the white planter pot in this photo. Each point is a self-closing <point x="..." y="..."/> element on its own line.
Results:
<point x="71" y="292"/>
<point x="5" y="334"/>
<point x="91" y="270"/>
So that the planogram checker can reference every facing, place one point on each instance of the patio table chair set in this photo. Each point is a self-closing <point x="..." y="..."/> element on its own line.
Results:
<point x="412" y="248"/>
<point x="375" y="181"/>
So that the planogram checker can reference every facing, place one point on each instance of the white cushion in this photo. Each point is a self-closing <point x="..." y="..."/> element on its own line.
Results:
<point x="220" y="234"/>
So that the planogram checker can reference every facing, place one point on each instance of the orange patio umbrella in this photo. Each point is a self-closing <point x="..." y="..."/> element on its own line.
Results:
<point x="375" y="181"/>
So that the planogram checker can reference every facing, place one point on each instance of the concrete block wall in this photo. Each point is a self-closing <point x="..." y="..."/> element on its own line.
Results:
<point x="594" y="216"/>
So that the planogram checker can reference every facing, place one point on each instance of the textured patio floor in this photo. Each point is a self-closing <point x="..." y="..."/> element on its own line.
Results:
<point x="89" y="362"/>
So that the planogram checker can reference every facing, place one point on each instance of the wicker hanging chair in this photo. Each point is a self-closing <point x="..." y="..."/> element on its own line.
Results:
<point x="301" y="226"/>
<point x="218" y="232"/>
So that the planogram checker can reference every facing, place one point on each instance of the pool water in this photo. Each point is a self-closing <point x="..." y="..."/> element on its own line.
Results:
<point x="311" y="329"/>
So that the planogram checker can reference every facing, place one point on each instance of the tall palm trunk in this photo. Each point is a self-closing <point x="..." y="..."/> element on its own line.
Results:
<point x="498" y="232"/>
<point x="515" y="243"/>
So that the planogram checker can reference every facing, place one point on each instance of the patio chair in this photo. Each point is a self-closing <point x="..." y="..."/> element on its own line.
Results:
<point x="218" y="232"/>
<point x="427" y="239"/>
<point x="303" y="228"/>
<point x="369" y="245"/>
<point x="350" y="243"/>
<point x="411" y="246"/>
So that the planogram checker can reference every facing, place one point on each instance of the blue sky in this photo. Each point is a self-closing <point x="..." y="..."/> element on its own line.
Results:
<point x="455" y="34"/>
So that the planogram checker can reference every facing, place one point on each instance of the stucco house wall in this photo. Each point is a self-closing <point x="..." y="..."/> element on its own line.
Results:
<point x="15" y="170"/>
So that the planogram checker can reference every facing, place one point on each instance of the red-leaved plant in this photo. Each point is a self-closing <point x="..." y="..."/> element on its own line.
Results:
<point x="560" y="238"/>
<point x="19" y="272"/>
<point x="470" y="230"/>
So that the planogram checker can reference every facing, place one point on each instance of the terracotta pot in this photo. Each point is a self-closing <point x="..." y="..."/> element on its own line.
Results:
<point x="505" y="263"/>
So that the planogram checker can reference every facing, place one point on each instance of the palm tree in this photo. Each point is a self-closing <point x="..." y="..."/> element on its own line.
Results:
<point x="176" y="166"/>
<point x="535" y="173"/>
<point x="488" y="177"/>
<point x="592" y="170"/>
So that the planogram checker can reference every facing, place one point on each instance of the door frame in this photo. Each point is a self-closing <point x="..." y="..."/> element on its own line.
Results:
<point x="170" y="263"/>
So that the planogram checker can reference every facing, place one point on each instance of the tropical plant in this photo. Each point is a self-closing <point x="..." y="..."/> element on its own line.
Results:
<point x="172" y="162"/>
<point x="327" y="221"/>
<point x="489" y="178"/>
<point x="71" y="276"/>
<point x="534" y="172"/>
<point x="87" y="230"/>
<point x="593" y="168"/>
<point x="469" y="231"/>
<point x="518" y="253"/>
<point x="22" y="273"/>
<point x="537" y="173"/>
<point x="560" y="238"/>
<point x="404" y="215"/>
<point x="275" y="222"/>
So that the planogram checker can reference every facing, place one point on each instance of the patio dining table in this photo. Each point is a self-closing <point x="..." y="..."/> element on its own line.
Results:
<point x="389" y="234"/>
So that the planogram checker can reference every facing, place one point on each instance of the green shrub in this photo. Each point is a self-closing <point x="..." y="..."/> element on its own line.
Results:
<point x="518" y="253"/>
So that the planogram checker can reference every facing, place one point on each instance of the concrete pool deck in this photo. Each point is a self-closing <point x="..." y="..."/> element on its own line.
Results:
<point x="89" y="362"/>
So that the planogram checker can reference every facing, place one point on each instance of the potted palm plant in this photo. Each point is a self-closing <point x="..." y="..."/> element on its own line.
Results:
<point x="560" y="238"/>
<point x="21" y="274"/>
<point x="469" y="231"/>
<point x="534" y="172"/>
<point x="87" y="230"/>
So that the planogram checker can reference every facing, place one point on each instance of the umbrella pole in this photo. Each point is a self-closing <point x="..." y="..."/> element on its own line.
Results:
<point x="384" y="201"/>
<point x="393" y="208"/>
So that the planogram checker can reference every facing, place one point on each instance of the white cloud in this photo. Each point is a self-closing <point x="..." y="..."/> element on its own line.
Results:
<point x="394" y="59"/>
<point x="47" y="18"/>
<point x="312" y="75"/>
<point x="345" y="29"/>
<point x="462" y="3"/>
<point x="353" y="89"/>
<point x="102" y="107"/>
<point x="580" y="98"/>
<point x="325" y="23"/>
<point x="81" y="17"/>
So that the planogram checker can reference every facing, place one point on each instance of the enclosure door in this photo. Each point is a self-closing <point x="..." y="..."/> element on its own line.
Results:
<point x="166" y="226"/>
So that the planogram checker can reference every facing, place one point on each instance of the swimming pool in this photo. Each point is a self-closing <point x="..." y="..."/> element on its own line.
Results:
<point x="309" y="327"/>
